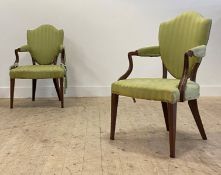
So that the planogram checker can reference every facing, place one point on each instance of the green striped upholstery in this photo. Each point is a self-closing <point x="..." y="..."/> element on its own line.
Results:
<point x="44" y="43"/>
<point x="177" y="36"/>
<point x="187" y="31"/>
<point x="37" y="72"/>
<point x="155" y="89"/>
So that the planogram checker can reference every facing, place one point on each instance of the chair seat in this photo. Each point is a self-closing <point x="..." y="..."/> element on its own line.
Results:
<point x="37" y="72"/>
<point x="158" y="89"/>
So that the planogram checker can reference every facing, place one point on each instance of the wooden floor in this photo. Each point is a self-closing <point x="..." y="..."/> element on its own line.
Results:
<point x="41" y="138"/>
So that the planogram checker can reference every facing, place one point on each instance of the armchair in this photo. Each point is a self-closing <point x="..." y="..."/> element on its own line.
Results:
<point x="44" y="44"/>
<point x="182" y="44"/>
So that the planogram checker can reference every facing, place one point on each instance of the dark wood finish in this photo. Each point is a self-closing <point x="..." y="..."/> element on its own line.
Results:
<point x="164" y="71"/>
<point x="185" y="76"/>
<point x="62" y="92"/>
<point x="194" y="72"/>
<point x="34" y="83"/>
<point x="56" y="85"/>
<point x="187" y="73"/>
<point x="12" y="88"/>
<point x="164" y="104"/>
<point x="63" y="56"/>
<point x="172" y="110"/>
<point x="194" y="109"/>
<point x="130" y="68"/>
<point x="165" y="113"/>
<point x="114" y="104"/>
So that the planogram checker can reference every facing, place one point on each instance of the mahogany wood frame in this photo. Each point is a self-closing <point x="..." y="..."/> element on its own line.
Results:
<point x="169" y="110"/>
<point x="59" y="90"/>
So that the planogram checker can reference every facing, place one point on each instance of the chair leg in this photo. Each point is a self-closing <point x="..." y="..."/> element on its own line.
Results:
<point x="194" y="109"/>
<point x="56" y="85"/>
<point x="172" y="110"/>
<point x="12" y="88"/>
<point x="165" y="113"/>
<point x="114" y="104"/>
<point x="62" y="92"/>
<point x="34" y="83"/>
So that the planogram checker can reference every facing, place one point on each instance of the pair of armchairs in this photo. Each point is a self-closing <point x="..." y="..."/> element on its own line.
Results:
<point x="44" y="44"/>
<point x="182" y="45"/>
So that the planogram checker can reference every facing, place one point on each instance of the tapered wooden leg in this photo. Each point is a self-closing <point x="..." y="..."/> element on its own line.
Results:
<point x="114" y="104"/>
<point x="165" y="113"/>
<point x="195" y="111"/>
<point x="172" y="110"/>
<point x="56" y="85"/>
<point x="34" y="82"/>
<point x="62" y="92"/>
<point x="12" y="87"/>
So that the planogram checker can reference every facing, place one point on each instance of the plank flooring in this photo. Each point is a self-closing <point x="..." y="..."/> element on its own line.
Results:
<point x="40" y="138"/>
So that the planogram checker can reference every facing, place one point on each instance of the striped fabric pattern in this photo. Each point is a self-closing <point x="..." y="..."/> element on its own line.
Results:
<point x="177" y="36"/>
<point x="37" y="72"/>
<point x="44" y="43"/>
<point x="158" y="89"/>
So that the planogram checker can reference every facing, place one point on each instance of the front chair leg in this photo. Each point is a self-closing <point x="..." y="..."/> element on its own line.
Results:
<point x="172" y="110"/>
<point x="12" y="87"/>
<point x="194" y="109"/>
<point x="114" y="104"/>
<point x="62" y="92"/>
<point x="34" y="82"/>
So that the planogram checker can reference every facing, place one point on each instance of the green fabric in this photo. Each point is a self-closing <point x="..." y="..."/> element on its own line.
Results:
<point x="199" y="51"/>
<point x="158" y="89"/>
<point x="37" y="72"/>
<point x="24" y="48"/>
<point x="177" y="36"/>
<point x="153" y="51"/>
<point x="44" y="43"/>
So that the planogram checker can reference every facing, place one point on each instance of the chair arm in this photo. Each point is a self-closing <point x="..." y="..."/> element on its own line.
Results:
<point x="153" y="51"/>
<point x="197" y="52"/>
<point x="24" y="48"/>
<point x="20" y="49"/>
<point x="63" y="56"/>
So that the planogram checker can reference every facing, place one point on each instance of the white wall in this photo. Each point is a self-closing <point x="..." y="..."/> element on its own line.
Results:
<point x="98" y="35"/>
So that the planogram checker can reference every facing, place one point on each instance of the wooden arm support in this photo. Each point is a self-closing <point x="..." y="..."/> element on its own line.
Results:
<point x="16" y="55"/>
<point x="130" y="68"/>
<point x="186" y="75"/>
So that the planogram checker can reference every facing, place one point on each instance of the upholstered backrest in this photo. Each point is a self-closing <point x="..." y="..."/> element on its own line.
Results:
<point x="177" y="36"/>
<point x="44" y="43"/>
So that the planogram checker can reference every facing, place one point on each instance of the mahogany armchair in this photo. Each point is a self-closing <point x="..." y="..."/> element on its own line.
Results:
<point x="44" y="44"/>
<point x="182" y="44"/>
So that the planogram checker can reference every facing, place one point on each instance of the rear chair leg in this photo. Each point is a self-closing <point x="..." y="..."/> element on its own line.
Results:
<point x="34" y="82"/>
<point x="62" y="92"/>
<point x="114" y="104"/>
<point x="12" y="87"/>
<point x="56" y="85"/>
<point x="195" y="111"/>
<point x="165" y="113"/>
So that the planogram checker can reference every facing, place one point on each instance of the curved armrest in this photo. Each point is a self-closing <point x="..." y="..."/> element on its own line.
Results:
<point x="197" y="52"/>
<point x="24" y="48"/>
<point x="62" y="51"/>
<point x="153" y="51"/>
<point x="20" y="49"/>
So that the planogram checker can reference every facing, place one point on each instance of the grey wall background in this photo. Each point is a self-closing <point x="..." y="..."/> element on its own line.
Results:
<point x="98" y="35"/>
